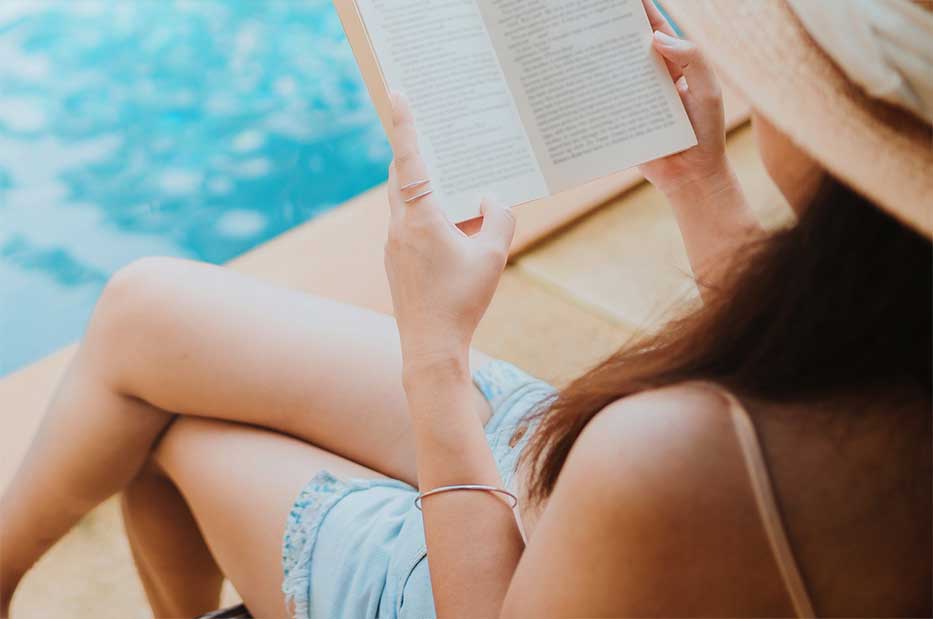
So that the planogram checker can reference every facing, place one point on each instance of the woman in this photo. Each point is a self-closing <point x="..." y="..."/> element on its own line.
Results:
<point x="766" y="455"/>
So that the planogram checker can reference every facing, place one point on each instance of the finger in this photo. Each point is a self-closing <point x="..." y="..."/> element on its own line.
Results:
<point x="701" y="80"/>
<point x="659" y="23"/>
<point x="656" y="19"/>
<point x="396" y="200"/>
<point x="498" y="225"/>
<point x="409" y="164"/>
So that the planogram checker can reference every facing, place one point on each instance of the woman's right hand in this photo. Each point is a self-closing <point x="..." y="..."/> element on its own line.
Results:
<point x="699" y="90"/>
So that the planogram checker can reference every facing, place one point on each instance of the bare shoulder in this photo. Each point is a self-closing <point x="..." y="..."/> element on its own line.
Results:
<point x="674" y="449"/>
<point x="667" y="430"/>
<point x="670" y="511"/>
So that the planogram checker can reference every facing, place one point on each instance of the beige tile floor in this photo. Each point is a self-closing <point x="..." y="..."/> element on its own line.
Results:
<point x="562" y="306"/>
<point x="628" y="262"/>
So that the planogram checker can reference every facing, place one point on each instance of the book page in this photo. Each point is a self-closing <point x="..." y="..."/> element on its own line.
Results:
<point x="594" y="97"/>
<point x="439" y="54"/>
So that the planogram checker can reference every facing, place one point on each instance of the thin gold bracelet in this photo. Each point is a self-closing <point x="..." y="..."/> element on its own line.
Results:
<point x="473" y="487"/>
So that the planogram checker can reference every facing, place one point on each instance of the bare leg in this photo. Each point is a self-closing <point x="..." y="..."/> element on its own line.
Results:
<point x="171" y="335"/>
<point x="244" y="522"/>
<point x="102" y="449"/>
<point x="178" y="572"/>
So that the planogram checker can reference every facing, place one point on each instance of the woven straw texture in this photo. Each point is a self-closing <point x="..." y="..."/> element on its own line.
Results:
<point x="761" y="49"/>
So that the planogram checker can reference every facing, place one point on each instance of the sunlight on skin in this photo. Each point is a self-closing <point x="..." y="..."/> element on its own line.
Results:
<point x="795" y="173"/>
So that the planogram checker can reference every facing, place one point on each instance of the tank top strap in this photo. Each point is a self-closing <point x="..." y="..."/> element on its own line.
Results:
<point x="767" y="505"/>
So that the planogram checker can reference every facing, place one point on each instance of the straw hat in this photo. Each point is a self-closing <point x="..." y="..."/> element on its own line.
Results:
<point x="809" y="66"/>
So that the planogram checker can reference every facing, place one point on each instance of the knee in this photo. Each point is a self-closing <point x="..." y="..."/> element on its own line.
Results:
<point x="127" y="311"/>
<point x="135" y="289"/>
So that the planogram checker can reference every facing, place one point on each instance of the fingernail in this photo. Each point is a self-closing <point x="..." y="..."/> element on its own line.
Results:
<point x="665" y="39"/>
<point x="681" y="84"/>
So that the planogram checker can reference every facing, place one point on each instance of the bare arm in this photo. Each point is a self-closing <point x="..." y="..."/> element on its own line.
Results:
<point x="708" y="201"/>
<point x="441" y="282"/>
<point x="715" y="220"/>
<point x="472" y="537"/>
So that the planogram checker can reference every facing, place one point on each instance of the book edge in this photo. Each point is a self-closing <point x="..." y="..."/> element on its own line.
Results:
<point x="370" y="69"/>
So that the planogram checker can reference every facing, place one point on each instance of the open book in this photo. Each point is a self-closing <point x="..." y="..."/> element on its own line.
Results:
<point x="521" y="99"/>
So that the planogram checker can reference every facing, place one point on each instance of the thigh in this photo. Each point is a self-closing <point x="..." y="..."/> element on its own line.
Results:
<point x="240" y="483"/>
<point x="213" y="343"/>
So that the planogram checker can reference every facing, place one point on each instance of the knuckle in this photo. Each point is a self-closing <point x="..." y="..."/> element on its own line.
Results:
<point x="401" y="114"/>
<point x="420" y="221"/>
<point x="497" y="254"/>
<point x="401" y="118"/>
<point x="400" y="236"/>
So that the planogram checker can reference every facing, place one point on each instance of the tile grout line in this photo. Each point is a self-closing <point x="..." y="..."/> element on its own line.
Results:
<point x="554" y="287"/>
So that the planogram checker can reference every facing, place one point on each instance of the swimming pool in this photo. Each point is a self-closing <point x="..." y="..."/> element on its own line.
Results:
<point x="195" y="128"/>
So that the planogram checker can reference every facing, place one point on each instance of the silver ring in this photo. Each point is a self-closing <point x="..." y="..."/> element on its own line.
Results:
<point x="415" y="184"/>
<point x="419" y="196"/>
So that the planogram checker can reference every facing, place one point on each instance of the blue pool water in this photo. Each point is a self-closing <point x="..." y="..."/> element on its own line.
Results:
<point x="195" y="128"/>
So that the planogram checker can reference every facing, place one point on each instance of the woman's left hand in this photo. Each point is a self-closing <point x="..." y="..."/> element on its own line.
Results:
<point x="441" y="279"/>
<point x="706" y="163"/>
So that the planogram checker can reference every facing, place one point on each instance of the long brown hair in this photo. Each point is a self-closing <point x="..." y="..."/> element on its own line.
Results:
<point x="838" y="302"/>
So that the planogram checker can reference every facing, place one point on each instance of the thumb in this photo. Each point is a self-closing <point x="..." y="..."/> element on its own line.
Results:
<point x="692" y="63"/>
<point x="498" y="224"/>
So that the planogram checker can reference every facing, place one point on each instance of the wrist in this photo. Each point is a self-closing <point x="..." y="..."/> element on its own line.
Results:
<point x="714" y="179"/>
<point x="717" y="202"/>
<point x="437" y="367"/>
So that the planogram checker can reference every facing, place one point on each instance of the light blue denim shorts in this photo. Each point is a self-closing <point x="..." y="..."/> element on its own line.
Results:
<point x="355" y="549"/>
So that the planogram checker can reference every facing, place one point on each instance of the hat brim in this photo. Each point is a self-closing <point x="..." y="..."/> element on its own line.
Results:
<point x="761" y="49"/>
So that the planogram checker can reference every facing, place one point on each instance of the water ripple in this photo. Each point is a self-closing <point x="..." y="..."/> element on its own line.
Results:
<point x="196" y="128"/>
